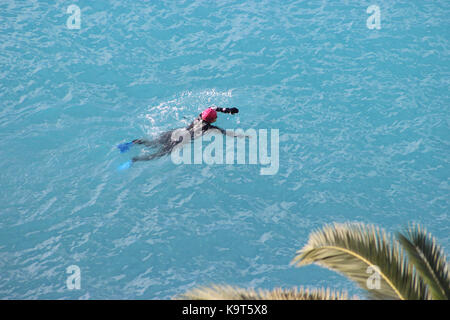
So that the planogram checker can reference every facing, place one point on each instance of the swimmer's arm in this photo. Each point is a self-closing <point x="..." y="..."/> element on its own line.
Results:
<point x="228" y="133"/>
<point x="226" y="110"/>
<point x="223" y="131"/>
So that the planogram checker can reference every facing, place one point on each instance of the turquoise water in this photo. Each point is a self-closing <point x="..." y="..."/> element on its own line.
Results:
<point x="363" y="116"/>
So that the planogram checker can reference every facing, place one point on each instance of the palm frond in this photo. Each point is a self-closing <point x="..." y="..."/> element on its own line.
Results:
<point x="226" y="292"/>
<point x="428" y="259"/>
<point x="351" y="249"/>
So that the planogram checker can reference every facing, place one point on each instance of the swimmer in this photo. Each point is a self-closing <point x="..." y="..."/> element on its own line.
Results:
<point x="164" y="142"/>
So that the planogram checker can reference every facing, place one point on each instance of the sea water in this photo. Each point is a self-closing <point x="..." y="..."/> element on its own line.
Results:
<point x="361" y="103"/>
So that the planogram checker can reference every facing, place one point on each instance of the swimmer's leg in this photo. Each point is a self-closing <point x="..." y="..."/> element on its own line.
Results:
<point x="147" y="143"/>
<point x="162" y="140"/>
<point x="129" y="163"/>
<point x="152" y="156"/>
<point x="124" y="147"/>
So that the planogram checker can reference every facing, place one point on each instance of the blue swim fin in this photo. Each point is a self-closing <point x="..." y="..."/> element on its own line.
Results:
<point x="124" y="147"/>
<point x="125" y="165"/>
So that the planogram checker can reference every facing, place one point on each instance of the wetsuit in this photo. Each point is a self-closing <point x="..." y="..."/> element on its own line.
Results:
<point x="165" y="143"/>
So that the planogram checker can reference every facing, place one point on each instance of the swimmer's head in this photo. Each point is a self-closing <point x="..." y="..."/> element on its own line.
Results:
<point x="209" y="115"/>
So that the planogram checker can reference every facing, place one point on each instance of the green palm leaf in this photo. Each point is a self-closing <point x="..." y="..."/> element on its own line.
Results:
<point x="352" y="249"/>
<point x="429" y="260"/>
<point x="226" y="292"/>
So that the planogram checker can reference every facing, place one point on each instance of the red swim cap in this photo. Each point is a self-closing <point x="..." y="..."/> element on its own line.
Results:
<point x="209" y="115"/>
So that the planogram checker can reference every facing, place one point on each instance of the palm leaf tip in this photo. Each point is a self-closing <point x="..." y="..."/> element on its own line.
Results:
<point x="429" y="260"/>
<point x="352" y="249"/>
<point x="226" y="292"/>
